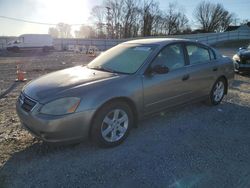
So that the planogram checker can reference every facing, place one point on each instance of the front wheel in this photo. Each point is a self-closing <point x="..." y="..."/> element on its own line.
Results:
<point x="217" y="93"/>
<point x="15" y="49"/>
<point x="46" y="49"/>
<point x="111" y="124"/>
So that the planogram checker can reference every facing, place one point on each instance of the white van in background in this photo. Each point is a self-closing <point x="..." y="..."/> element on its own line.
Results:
<point x="42" y="41"/>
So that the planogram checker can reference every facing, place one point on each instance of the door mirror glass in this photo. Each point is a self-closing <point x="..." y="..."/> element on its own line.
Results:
<point x="160" y="69"/>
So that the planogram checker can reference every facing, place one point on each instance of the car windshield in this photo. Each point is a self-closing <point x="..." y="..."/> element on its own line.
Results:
<point x="125" y="58"/>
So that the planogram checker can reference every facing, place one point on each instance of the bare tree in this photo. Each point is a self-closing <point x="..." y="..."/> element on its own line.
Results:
<point x="149" y="13"/>
<point x="85" y="31"/>
<point x="61" y="30"/>
<point x="176" y="21"/>
<point x="53" y="32"/>
<point x="212" y="17"/>
<point x="170" y="21"/>
<point x="130" y="18"/>
<point x="108" y="18"/>
<point x="157" y="24"/>
<point x="244" y="22"/>
<point x="115" y="16"/>
<point x="98" y="14"/>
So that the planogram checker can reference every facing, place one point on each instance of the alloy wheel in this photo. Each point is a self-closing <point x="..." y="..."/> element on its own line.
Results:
<point x="218" y="91"/>
<point x="114" y="125"/>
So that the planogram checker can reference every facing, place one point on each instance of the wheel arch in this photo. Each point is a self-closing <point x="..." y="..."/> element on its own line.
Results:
<point x="226" y="82"/>
<point x="126" y="100"/>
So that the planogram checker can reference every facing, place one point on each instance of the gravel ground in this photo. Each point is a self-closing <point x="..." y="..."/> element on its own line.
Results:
<point x="192" y="146"/>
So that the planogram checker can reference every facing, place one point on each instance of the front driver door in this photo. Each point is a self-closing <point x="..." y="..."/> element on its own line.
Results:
<point x="165" y="90"/>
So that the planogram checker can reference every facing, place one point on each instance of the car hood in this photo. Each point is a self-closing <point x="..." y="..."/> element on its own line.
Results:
<point x="244" y="54"/>
<point x="58" y="82"/>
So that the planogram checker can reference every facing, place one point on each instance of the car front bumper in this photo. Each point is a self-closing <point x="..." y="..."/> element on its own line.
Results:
<point x="65" y="128"/>
<point x="240" y="67"/>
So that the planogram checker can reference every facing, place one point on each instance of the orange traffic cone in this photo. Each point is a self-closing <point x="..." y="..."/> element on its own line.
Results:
<point x="20" y="75"/>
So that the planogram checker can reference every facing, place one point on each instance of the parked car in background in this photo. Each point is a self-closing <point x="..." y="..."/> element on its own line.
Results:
<point x="242" y="60"/>
<point x="106" y="98"/>
<point x="31" y="41"/>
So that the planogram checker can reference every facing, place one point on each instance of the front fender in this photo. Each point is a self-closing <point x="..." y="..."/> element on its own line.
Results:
<point x="129" y="87"/>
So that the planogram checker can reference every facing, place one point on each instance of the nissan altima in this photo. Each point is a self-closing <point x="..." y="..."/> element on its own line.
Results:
<point x="105" y="99"/>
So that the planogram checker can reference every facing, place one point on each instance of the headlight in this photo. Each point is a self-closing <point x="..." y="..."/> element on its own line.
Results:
<point x="236" y="58"/>
<point x="61" y="106"/>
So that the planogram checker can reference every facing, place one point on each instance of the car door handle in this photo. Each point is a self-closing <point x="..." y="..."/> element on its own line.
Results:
<point x="215" y="69"/>
<point x="185" y="77"/>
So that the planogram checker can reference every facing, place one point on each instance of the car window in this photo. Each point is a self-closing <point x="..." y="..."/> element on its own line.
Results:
<point x="171" y="56"/>
<point x="197" y="54"/>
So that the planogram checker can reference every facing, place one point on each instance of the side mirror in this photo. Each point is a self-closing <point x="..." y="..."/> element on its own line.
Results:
<point x="160" y="69"/>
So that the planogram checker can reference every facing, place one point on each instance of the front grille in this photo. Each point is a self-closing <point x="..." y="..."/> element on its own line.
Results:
<point x="245" y="60"/>
<point x="27" y="104"/>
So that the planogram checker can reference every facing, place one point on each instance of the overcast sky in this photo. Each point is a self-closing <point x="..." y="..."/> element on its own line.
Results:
<point x="78" y="11"/>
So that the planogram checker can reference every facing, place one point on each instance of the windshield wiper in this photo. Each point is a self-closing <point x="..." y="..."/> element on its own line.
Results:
<point x="101" y="68"/>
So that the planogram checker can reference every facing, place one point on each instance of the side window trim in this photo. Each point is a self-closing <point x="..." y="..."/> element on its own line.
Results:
<point x="213" y="54"/>
<point x="187" y="61"/>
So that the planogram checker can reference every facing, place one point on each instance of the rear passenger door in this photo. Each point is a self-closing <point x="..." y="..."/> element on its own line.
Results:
<point x="201" y="68"/>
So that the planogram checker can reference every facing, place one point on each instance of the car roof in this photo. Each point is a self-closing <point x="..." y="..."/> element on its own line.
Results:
<point x="156" y="41"/>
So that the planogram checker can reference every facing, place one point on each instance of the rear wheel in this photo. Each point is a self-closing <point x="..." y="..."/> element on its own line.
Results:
<point x="111" y="124"/>
<point x="15" y="49"/>
<point x="217" y="93"/>
<point x="46" y="49"/>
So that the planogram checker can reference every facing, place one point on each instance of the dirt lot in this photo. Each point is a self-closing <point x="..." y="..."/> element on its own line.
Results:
<point x="35" y="63"/>
<point x="196" y="146"/>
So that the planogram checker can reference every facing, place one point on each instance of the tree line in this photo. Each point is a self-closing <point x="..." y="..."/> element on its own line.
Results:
<point x="141" y="18"/>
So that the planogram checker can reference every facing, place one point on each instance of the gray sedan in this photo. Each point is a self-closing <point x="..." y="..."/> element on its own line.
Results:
<point x="106" y="98"/>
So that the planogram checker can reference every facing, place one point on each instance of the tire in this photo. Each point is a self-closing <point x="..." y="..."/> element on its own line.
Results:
<point x="15" y="49"/>
<point x="46" y="49"/>
<point x="9" y="49"/>
<point x="111" y="124"/>
<point x="217" y="93"/>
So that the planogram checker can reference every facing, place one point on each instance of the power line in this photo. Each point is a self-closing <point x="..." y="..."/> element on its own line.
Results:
<point x="33" y="22"/>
